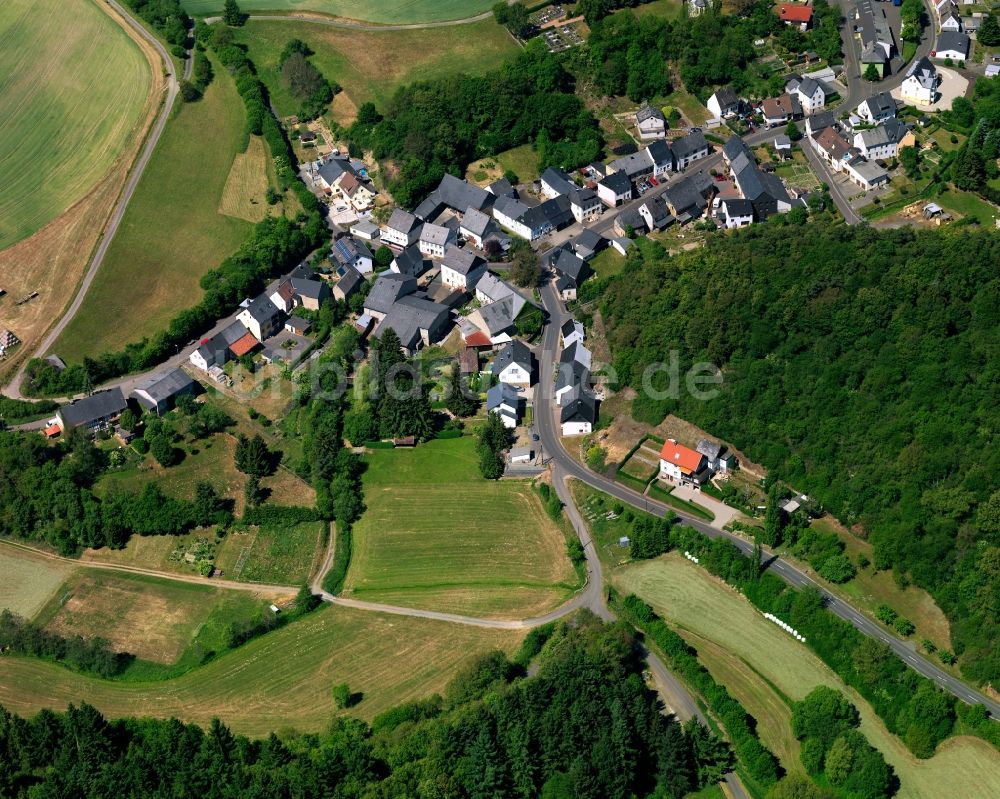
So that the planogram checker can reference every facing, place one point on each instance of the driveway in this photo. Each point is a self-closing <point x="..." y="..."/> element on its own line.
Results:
<point x="953" y="85"/>
<point x="723" y="513"/>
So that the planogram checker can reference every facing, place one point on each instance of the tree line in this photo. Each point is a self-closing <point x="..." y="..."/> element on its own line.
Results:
<point x="585" y="726"/>
<point x="91" y="656"/>
<point x="859" y="366"/>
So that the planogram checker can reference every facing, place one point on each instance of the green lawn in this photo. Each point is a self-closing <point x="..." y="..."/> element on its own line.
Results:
<point x="438" y="536"/>
<point x="281" y="555"/>
<point x="968" y="204"/>
<point x="172" y="232"/>
<point x="74" y="87"/>
<point x="606" y="263"/>
<point x="522" y="161"/>
<point x="382" y="11"/>
<point x="371" y="65"/>
<point x="281" y="680"/>
<point x="671" y="9"/>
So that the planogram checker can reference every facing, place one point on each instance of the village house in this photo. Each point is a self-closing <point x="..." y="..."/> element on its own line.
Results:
<point x="231" y="341"/>
<point x="723" y="103"/>
<point x="366" y="230"/>
<point x="357" y="193"/>
<point x="884" y="141"/>
<point x="433" y="239"/>
<point x="409" y="262"/>
<point x="310" y="294"/>
<point x="654" y="214"/>
<point x="764" y="190"/>
<point x="261" y="317"/>
<point x="571" y="332"/>
<point x="455" y="194"/>
<point x="921" y="83"/>
<point x="629" y="223"/>
<point x="497" y="320"/>
<point x="297" y="325"/>
<point x="417" y="320"/>
<point x="878" y="108"/>
<point x="588" y="243"/>
<point x="385" y="291"/>
<point x="718" y="458"/>
<point x="952" y="44"/>
<point x="782" y="146"/>
<point x="780" y="110"/>
<point x="579" y="412"/>
<point x="682" y="465"/>
<point x="574" y="371"/>
<point x="866" y="174"/>
<point x="461" y="269"/>
<point x="402" y="229"/>
<point x="329" y="175"/>
<point x="795" y="15"/>
<point x="688" y="198"/>
<point x="92" y="413"/>
<point x="832" y="147"/>
<point x="478" y="227"/>
<point x="563" y="261"/>
<point x="351" y="281"/>
<point x="583" y="202"/>
<point x="514" y="364"/>
<point x="504" y="400"/>
<point x="736" y="213"/>
<point x="159" y="393"/>
<point x="689" y="149"/>
<point x="615" y="189"/>
<point x="650" y="122"/>
<point x="501" y="187"/>
<point x="349" y="251"/>
<point x="811" y="95"/>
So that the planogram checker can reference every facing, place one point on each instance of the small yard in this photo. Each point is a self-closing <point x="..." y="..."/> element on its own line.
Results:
<point x="280" y="555"/>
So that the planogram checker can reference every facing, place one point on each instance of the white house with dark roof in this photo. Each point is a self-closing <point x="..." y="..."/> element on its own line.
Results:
<point x="584" y="203"/>
<point x="417" y="320"/>
<point x="261" y="317"/>
<point x="952" y="44"/>
<point x="453" y="193"/>
<point x="385" y="291"/>
<point x="885" y="140"/>
<point x="723" y="103"/>
<point x="433" y="239"/>
<point x="615" y="189"/>
<point x="811" y="94"/>
<point x="573" y="371"/>
<point x="92" y="413"/>
<point x="349" y="251"/>
<point x="461" y="269"/>
<point x="689" y="149"/>
<point x="477" y="227"/>
<point x="717" y="457"/>
<point x="578" y="413"/>
<point x="514" y="364"/>
<point x="921" y="83"/>
<point x="409" y="261"/>
<point x="878" y="108"/>
<point x="504" y="400"/>
<point x="215" y="351"/>
<point x="402" y="229"/>
<point x="736" y="213"/>
<point x="650" y="122"/>
<point x="571" y="332"/>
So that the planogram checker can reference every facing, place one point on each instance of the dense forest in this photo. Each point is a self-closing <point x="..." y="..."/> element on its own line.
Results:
<point x="583" y="727"/>
<point x="862" y="367"/>
<point x="439" y="126"/>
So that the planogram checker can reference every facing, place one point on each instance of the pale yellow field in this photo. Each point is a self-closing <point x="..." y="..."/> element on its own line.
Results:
<point x="28" y="581"/>
<point x="244" y="193"/>
<point x="281" y="680"/>
<point x="73" y="89"/>
<point x="689" y="597"/>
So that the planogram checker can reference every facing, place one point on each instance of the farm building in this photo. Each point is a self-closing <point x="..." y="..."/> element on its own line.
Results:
<point x="159" y="393"/>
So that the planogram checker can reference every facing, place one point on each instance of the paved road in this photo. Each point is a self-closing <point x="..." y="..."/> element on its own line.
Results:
<point x="545" y="422"/>
<point x="13" y="389"/>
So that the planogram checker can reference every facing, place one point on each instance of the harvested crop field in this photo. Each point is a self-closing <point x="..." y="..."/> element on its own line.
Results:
<point x="29" y="580"/>
<point x="281" y="680"/>
<point x="244" y="195"/>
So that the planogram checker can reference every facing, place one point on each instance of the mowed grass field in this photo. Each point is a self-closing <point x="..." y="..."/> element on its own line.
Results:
<point x="437" y="536"/>
<point x="383" y="11"/>
<point x="27" y="580"/>
<point x="699" y="604"/>
<point x="153" y="619"/>
<point x="281" y="680"/>
<point x="74" y="87"/>
<point x="371" y="65"/>
<point x="172" y="232"/>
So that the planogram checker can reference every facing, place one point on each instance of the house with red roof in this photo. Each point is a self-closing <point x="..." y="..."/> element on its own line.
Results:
<point x="680" y="464"/>
<point x="795" y="14"/>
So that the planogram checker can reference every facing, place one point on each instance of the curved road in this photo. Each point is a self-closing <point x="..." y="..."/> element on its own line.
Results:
<point x="562" y="462"/>
<point x="13" y="389"/>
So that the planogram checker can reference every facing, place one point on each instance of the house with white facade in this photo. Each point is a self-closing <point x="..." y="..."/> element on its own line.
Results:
<point x="689" y="149"/>
<point x="878" y="108"/>
<point x="723" y="103"/>
<point x="811" y="95"/>
<point x="884" y="141"/>
<point x="504" y="400"/>
<point x="461" y="269"/>
<point x="650" y="122"/>
<point x="402" y="229"/>
<point x="615" y="189"/>
<point x="514" y="364"/>
<point x="578" y="413"/>
<point x="921" y="84"/>
<point x="682" y="465"/>
<point x="952" y="44"/>
<point x="433" y="239"/>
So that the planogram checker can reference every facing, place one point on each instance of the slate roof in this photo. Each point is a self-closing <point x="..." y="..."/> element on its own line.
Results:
<point x="892" y="130"/>
<point x="564" y="261"/>
<point x="734" y="147"/>
<point x="634" y="164"/>
<point x="581" y="407"/>
<point x="570" y="374"/>
<point x="435" y="234"/>
<point x="403" y="221"/>
<point x="409" y="261"/>
<point x="925" y="73"/>
<point x="738" y="208"/>
<point x="648" y="112"/>
<point x="222" y="340"/>
<point x="502" y="188"/>
<point x="262" y="309"/>
<point x="726" y="97"/>
<point x="387" y="289"/>
<point x="476" y="222"/>
<point x="618" y="182"/>
<point x="350" y="279"/>
<point x="411" y="314"/>
<point x="576" y="353"/>
<point x="513" y="352"/>
<point x="588" y="240"/>
<point x="709" y="449"/>
<point x="499" y="315"/>
<point x="657" y="209"/>
<point x="808" y="87"/>
<point x="821" y="121"/>
<point x="313" y="289"/>
<point x="493" y="288"/>
<point x="556" y="212"/>
<point x="97" y="406"/>
<point x="570" y="326"/>
<point x="453" y="193"/>
<point x="688" y="145"/>
<point x="347" y="250"/>
<point x="462" y="261"/>
<point x="687" y="196"/>
<point x="953" y="40"/>
<point x="881" y="104"/>
<point x="660" y="154"/>
<point x="502" y="394"/>
<point x="163" y="386"/>
<point x="334" y="168"/>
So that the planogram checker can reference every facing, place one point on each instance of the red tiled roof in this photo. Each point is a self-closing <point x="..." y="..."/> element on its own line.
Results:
<point x="477" y="339"/>
<point x="790" y="12"/>
<point x="684" y="457"/>
<point x="243" y="345"/>
<point x="53" y="430"/>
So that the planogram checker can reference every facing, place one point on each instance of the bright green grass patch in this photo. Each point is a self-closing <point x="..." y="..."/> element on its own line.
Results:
<point x="967" y="204"/>
<point x="28" y="580"/>
<point x="172" y="233"/>
<point x="74" y="86"/>
<point x="438" y="536"/>
<point x="607" y="263"/>
<point x="371" y="65"/>
<point x="686" y="595"/>
<point x="383" y="11"/>
<point x="671" y="9"/>
<point x="280" y="680"/>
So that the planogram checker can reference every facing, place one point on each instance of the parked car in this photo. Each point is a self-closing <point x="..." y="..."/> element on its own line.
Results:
<point x="653" y="182"/>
